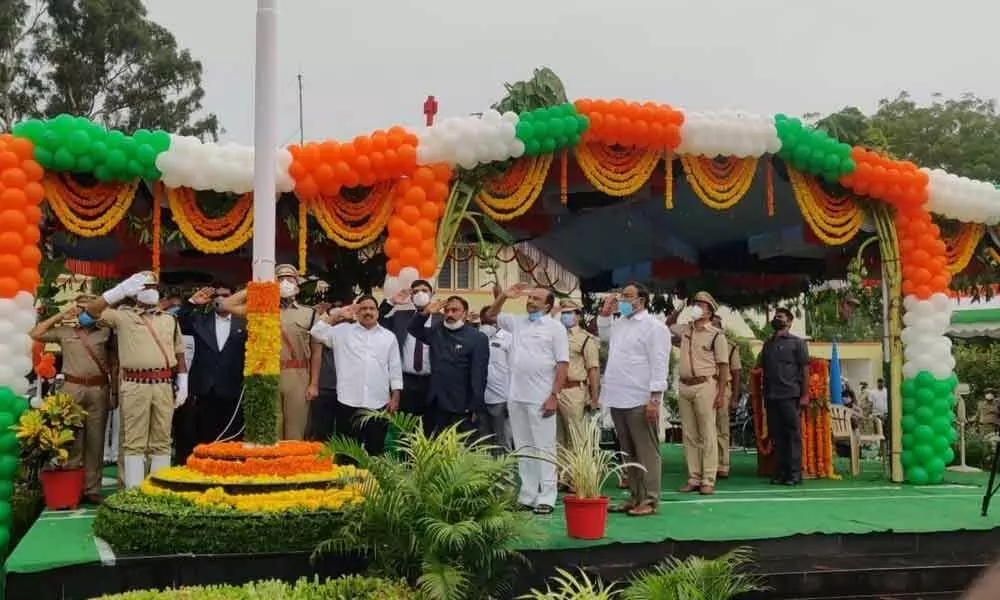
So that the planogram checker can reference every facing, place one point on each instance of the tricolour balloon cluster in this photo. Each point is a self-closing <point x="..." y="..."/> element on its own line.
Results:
<point x="897" y="182"/>
<point x="962" y="198"/>
<point x="812" y="150"/>
<point x="922" y="252"/>
<point x="728" y="133"/>
<point x="76" y="144"/>
<point x="647" y="125"/>
<point x="545" y="130"/>
<point x="418" y="203"/>
<point x="470" y="141"/>
<point x="323" y="168"/>
<point x="228" y="168"/>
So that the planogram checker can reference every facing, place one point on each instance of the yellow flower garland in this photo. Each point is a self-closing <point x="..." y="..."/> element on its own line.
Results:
<point x="186" y="475"/>
<point x="202" y="243"/>
<point x="719" y="184"/>
<point x="616" y="172"/>
<point x="835" y="221"/>
<point x="962" y="246"/>
<point x="502" y="204"/>
<point x="102" y="224"/>
<point x="329" y="499"/>
<point x="263" y="356"/>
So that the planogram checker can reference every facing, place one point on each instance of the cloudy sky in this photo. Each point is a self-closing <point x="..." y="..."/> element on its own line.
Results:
<point x="370" y="64"/>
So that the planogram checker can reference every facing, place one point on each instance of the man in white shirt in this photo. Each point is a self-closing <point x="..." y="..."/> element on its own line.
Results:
<point x="634" y="381"/>
<point x="538" y="365"/>
<point x="369" y="371"/>
<point x="496" y="423"/>
<point x="879" y="399"/>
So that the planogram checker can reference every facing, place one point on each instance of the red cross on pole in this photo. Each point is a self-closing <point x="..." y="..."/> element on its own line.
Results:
<point x="430" y="109"/>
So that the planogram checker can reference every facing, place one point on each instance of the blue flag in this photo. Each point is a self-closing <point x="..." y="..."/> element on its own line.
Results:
<point x="836" y="385"/>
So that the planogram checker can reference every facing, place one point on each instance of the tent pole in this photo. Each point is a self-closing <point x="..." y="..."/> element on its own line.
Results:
<point x="892" y="346"/>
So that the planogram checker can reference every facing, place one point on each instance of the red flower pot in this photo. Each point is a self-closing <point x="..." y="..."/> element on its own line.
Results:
<point x="586" y="518"/>
<point x="62" y="488"/>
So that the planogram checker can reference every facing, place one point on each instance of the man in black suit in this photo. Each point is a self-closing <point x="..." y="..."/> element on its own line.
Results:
<point x="395" y="315"/>
<point x="213" y="411"/>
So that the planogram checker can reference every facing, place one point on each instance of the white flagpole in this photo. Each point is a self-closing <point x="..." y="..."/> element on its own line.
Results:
<point x="265" y="140"/>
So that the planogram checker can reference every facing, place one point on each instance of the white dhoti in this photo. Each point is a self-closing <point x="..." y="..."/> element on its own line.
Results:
<point x="534" y="435"/>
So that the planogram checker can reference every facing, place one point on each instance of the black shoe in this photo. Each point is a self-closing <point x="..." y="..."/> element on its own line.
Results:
<point x="792" y="482"/>
<point x="777" y="481"/>
<point x="525" y="508"/>
<point x="543" y="509"/>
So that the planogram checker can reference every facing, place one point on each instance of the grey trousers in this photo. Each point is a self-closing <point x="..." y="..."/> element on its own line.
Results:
<point x="495" y="422"/>
<point x="640" y="443"/>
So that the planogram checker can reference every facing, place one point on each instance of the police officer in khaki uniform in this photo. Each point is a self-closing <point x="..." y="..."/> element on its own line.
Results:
<point x="703" y="372"/>
<point x="85" y="369"/>
<point x="733" y="390"/>
<point x="582" y="389"/>
<point x="151" y="354"/>
<point x="296" y="321"/>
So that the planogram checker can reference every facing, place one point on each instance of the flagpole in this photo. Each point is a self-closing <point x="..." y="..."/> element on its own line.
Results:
<point x="265" y="140"/>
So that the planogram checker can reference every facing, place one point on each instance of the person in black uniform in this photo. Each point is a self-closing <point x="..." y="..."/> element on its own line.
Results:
<point x="785" y="363"/>
<point x="322" y="391"/>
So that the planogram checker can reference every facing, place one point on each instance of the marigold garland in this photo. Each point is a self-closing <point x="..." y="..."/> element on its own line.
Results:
<point x="190" y="476"/>
<point x="961" y="247"/>
<point x="328" y="499"/>
<point x="263" y="329"/>
<point x="616" y="170"/>
<point x="769" y="174"/>
<point x="303" y="234"/>
<point x="237" y="450"/>
<point x="719" y="182"/>
<point x="835" y="221"/>
<point x="73" y="210"/>
<point x="511" y="195"/>
<point x="210" y="235"/>
<point x="157" y="232"/>
<point x="668" y="178"/>
<point x="350" y="223"/>
<point x="281" y="467"/>
<point x="563" y="177"/>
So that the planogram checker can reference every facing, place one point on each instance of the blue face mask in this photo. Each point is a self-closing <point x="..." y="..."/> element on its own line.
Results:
<point x="625" y="308"/>
<point x="173" y="310"/>
<point x="86" y="320"/>
<point x="535" y="315"/>
<point x="568" y="319"/>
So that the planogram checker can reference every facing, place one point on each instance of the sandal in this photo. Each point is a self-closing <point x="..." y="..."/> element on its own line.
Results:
<point x="543" y="509"/>
<point x="643" y="510"/>
<point x="624" y="507"/>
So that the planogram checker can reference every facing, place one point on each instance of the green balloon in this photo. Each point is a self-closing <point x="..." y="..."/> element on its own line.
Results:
<point x="924" y="415"/>
<point x="532" y="147"/>
<point x="145" y="154"/>
<point x="924" y="396"/>
<point x="4" y="514"/>
<point x="8" y="442"/>
<point x="923" y="434"/>
<point x="7" y="397"/>
<point x="4" y="538"/>
<point x="102" y="173"/>
<point x="31" y="129"/>
<point x="526" y="117"/>
<point x="142" y="136"/>
<point x="940" y="443"/>
<point x="7" y="420"/>
<point x="115" y="139"/>
<point x="941" y="406"/>
<point x="525" y="131"/>
<point x="6" y="490"/>
<point x="908" y="440"/>
<point x="917" y="476"/>
<point x="909" y="423"/>
<point x="64" y="124"/>
<point x="43" y="157"/>
<point x="541" y="129"/>
<point x="8" y="467"/>
<point x="116" y="160"/>
<point x="128" y="146"/>
<point x="78" y="142"/>
<point x="952" y="435"/>
<point x="909" y="387"/>
<point x="134" y="168"/>
<point x="99" y="151"/>
<point x="574" y="139"/>
<point x="909" y="405"/>
<point x="908" y="459"/>
<point x="548" y="145"/>
<point x="63" y="159"/>
<point x="20" y="405"/>
<point x="152" y="174"/>
<point x="160" y="141"/>
<point x="84" y="164"/>
<point x="582" y="123"/>
<point x="923" y="453"/>
<point x="925" y="379"/>
<point x="948" y="455"/>
<point x="934" y="465"/>
<point x="941" y="425"/>
<point x="557" y="127"/>
<point x="935" y="478"/>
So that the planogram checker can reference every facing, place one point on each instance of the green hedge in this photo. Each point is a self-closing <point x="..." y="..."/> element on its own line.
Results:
<point x="344" y="588"/>
<point x="133" y="522"/>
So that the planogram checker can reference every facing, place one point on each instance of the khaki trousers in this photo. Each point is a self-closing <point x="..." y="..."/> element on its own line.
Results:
<point x="147" y="416"/>
<point x="641" y="444"/>
<point x="293" y="408"/>
<point x="698" y="423"/>
<point x="722" y="434"/>
<point x="88" y="445"/>
<point x="570" y="411"/>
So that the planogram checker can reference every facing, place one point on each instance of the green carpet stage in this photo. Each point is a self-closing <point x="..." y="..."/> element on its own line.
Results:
<point x="744" y="510"/>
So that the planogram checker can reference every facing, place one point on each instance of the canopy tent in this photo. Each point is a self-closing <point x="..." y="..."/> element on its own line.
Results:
<point x="975" y="319"/>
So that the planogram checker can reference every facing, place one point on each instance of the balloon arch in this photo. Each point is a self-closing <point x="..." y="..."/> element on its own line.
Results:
<point x="420" y="168"/>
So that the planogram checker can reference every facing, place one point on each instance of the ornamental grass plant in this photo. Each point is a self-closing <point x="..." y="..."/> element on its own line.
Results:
<point x="566" y="586"/>
<point x="585" y="462"/>
<point x="697" y="578"/>
<point x="440" y="513"/>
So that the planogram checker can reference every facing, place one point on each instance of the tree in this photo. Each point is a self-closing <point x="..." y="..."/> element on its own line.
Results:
<point x="102" y="59"/>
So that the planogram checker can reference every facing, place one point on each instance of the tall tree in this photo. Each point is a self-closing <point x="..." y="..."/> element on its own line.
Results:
<point x="103" y="59"/>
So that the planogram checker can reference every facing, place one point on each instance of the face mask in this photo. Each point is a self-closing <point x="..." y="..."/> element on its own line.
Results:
<point x="535" y="315"/>
<point x="697" y="313"/>
<point x="488" y="330"/>
<point x="288" y="289"/>
<point x="777" y="324"/>
<point x="148" y="297"/>
<point x="421" y="299"/>
<point x="568" y="319"/>
<point x="453" y="325"/>
<point x="86" y="320"/>
<point x="625" y="308"/>
<point x="173" y="310"/>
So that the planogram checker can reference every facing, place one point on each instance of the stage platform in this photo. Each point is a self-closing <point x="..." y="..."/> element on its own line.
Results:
<point x="822" y="537"/>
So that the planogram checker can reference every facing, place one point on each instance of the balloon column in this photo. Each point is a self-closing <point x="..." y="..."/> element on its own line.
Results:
<point x="20" y="194"/>
<point x="418" y="204"/>
<point x="928" y="371"/>
<point x="812" y="150"/>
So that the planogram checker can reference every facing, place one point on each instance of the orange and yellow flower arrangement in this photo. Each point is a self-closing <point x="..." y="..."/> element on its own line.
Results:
<point x="817" y="441"/>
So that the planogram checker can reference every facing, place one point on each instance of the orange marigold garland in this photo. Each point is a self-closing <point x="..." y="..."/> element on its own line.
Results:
<point x="239" y="450"/>
<point x="157" y="232"/>
<point x="283" y="466"/>
<point x="719" y="182"/>
<point x="961" y="247"/>
<point x="616" y="170"/>
<point x="512" y="194"/>
<point x="220" y="235"/>
<point x="91" y="213"/>
<point x="262" y="365"/>
<point x="668" y="178"/>
<point x="833" y="220"/>
<point x="352" y="222"/>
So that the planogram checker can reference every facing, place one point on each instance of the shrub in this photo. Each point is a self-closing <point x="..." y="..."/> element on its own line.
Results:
<point x="344" y="588"/>
<point x="133" y="522"/>
<point x="696" y="578"/>
<point x="442" y="514"/>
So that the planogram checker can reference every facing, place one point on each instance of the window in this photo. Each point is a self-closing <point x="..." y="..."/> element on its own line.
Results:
<point x="456" y="274"/>
<point x="444" y="275"/>
<point x="524" y="276"/>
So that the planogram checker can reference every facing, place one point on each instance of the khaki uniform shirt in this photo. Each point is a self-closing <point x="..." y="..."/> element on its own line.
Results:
<point x="76" y="361"/>
<point x="136" y="347"/>
<point x="583" y="354"/>
<point x="735" y="363"/>
<point x="702" y="350"/>
<point x="296" y="321"/>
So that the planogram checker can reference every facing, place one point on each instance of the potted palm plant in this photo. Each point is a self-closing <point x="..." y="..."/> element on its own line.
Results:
<point x="588" y="466"/>
<point x="47" y="434"/>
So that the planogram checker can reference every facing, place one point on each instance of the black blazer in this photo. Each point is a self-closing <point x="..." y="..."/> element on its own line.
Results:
<point x="459" y="363"/>
<point x="399" y="322"/>
<point x="214" y="371"/>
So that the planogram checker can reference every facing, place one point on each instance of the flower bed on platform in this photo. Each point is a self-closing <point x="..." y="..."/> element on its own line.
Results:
<point x="308" y="499"/>
<point x="239" y="450"/>
<point x="353" y="587"/>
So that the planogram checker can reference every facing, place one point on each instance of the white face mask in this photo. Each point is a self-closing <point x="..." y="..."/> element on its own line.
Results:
<point x="697" y="313"/>
<point x="421" y="299"/>
<point x="288" y="289"/>
<point x="453" y="325"/>
<point x="488" y="330"/>
<point x="148" y="297"/>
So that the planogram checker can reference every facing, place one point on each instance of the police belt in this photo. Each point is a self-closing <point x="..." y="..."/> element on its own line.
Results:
<point x="148" y="375"/>
<point x="95" y="381"/>
<point x="700" y="379"/>
<point x="294" y="364"/>
<point x="569" y="385"/>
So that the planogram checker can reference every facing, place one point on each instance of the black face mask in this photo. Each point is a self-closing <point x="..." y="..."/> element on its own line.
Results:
<point x="777" y="324"/>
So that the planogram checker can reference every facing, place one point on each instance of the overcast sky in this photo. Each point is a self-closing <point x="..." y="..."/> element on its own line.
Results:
<point x="370" y="64"/>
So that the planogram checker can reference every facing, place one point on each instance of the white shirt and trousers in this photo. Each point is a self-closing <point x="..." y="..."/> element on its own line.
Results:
<point x="537" y="348"/>
<point x="638" y="364"/>
<point x="368" y="370"/>
<point x="495" y="423"/>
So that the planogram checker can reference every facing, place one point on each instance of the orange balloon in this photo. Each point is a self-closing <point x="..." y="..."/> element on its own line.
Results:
<point x="8" y="287"/>
<point x="352" y="179"/>
<point x="392" y="266"/>
<point x="410" y="257"/>
<point x="427" y="268"/>
<point x="411" y="139"/>
<point x="423" y="176"/>
<point x="411" y="236"/>
<point x="407" y="157"/>
<point x="329" y="151"/>
<point x="33" y="214"/>
<point x="324" y="175"/>
<point x="377" y="160"/>
<point x="10" y="264"/>
<point x="330" y="188"/>
<point x="427" y="248"/>
<point x="307" y="188"/>
<point x="22" y="147"/>
<point x="427" y="229"/>
<point x="391" y="159"/>
<point x="363" y="163"/>
<point x="368" y="178"/>
<point x="397" y="136"/>
<point x="341" y="170"/>
<point x="11" y="242"/>
<point x="310" y="156"/>
<point x="907" y="287"/>
<point x="923" y="292"/>
<point x="12" y="220"/>
<point x="416" y="196"/>
<point x="410" y="214"/>
<point x="13" y="177"/>
<point x="442" y="172"/>
<point x="363" y="144"/>
<point x="380" y="141"/>
<point x="396" y="226"/>
<point x="921" y="276"/>
<point x="13" y="198"/>
<point x="939" y="283"/>
<point x="9" y="160"/>
<point x="393" y="246"/>
<point x="348" y="153"/>
<point x="438" y="192"/>
<point x="429" y="210"/>
<point x="297" y="170"/>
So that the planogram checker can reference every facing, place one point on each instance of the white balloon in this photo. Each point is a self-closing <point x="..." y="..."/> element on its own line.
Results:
<point x="21" y="364"/>
<point x="940" y="370"/>
<point x="407" y="276"/>
<point x="25" y="300"/>
<point x="909" y="370"/>
<point x="20" y="386"/>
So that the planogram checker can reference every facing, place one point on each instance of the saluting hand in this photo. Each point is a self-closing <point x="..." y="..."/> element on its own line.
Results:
<point x="608" y="307"/>
<point x="202" y="296"/>
<point x="400" y="297"/>
<point x="515" y="290"/>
